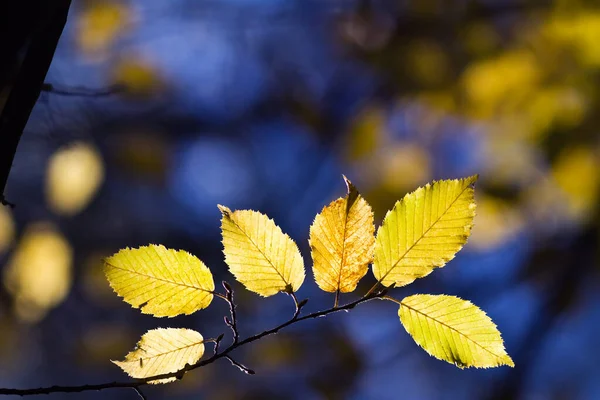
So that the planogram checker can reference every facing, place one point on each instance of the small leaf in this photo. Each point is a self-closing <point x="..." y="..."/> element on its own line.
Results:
<point x="453" y="330"/>
<point x="160" y="281"/>
<point x="259" y="254"/>
<point x="424" y="230"/>
<point x="342" y="242"/>
<point x="162" y="351"/>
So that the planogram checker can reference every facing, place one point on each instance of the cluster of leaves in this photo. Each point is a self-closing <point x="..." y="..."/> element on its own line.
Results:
<point x="422" y="232"/>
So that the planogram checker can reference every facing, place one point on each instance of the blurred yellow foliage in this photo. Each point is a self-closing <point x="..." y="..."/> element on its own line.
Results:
<point x="480" y="38"/>
<point x="39" y="273"/>
<point x="509" y="159"/>
<point x="137" y="76"/>
<point x="560" y="104"/>
<point x="580" y="32"/>
<point x="495" y="222"/>
<point x="576" y="174"/>
<point x="500" y="83"/>
<point x="427" y="62"/>
<point x="404" y="166"/>
<point x="7" y="229"/>
<point x="366" y="132"/>
<point x="73" y="176"/>
<point x="145" y="153"/>
<point x="99" y="26"/>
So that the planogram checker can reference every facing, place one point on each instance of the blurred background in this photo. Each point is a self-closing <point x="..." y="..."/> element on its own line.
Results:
<point x="158" y="111"/>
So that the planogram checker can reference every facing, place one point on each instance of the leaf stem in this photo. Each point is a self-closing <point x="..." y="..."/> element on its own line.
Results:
<point x="390" y="298"/>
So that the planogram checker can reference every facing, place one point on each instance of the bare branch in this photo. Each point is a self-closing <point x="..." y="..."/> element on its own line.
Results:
<point x="242" y="367"/>
<point x="80" y="91"/>
<point x="233" y="322"/>
<point x="140" y="393"/>
<point x="179" y="374"/>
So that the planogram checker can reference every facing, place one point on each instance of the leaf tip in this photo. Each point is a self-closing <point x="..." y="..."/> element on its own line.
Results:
<point x="224" y="210"/>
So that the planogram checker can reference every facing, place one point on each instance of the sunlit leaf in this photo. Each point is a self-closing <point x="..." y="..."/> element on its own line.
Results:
<point x="73" y="176"/>
<point x="453" y="330"/>
<point x="259" y="254"/>
<point x="424" y="230"/>
<point x="342" y="242"/>
<point x="39" y="274"/>
<point x="160" y="281"/>
<point x="162" y="351"/>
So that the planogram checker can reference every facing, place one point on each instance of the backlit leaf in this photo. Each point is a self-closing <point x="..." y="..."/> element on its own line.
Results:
<point x="160" y="281"/>
<point x="423" y="231"/>
<point x="453" y="330"/>
<point x="39" y="273"/>
<point x="342" y="242"/>
<point x="259" y="254"/>
<point x="73" y="177"/>
<point x="162" y="351"/>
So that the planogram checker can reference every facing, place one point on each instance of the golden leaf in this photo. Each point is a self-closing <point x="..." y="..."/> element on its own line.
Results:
<point x="160" y="281"/>
<point x="423" y="231"/>
<point x="342" y="242"/>
<point x="40" y="272"/>
<point x="162" y="351"/>
<point x="259" y="254"/>
<point x="453" y="330"/>
<point x="73" y="177"/>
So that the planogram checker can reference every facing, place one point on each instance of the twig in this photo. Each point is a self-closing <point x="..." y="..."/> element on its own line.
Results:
<point x="141" y="382"/>
<point x="140" y="393"/>
<point x="217" y="342"/>
<point x="242" y="367"/>
<point x="82" y="91"/>
<point x="233" y="322"/>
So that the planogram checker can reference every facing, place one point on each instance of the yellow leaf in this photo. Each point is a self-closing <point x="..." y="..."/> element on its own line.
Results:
<point x="73" y="177"/>
<point x="259" y="254"/>
<point x="162" y="351"/>
<point x="40" y="272"/>
<point x="453" y="330"/>
<point x="423" y="231"/>
<point x="160" y="281"/>
<point x="342" y="242"/>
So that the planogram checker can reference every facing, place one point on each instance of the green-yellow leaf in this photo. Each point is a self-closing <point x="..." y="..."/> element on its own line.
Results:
<point x="160" y="281"/>
<point x="342" y="242"/>
<point x="424" y="230"/>
<point x="259" y="254"/>
<point x="453" y="330"/>
<point x="162" y="351"/>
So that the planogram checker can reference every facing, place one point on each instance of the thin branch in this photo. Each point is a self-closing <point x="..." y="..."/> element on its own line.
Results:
<point x="233" y="322"/>
<point x="80" y="91"/>
<point x="242" y="367"/>
<point x="179" y="374"/>
<point x="217" y="342"/>
<point x="140" y="393"/>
